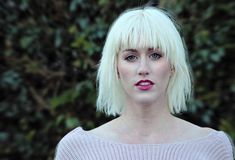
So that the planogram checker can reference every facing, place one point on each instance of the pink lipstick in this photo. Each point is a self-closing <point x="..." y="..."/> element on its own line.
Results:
<point x="144" y="84"/>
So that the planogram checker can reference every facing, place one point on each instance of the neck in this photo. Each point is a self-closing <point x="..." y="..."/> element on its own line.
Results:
<point x="146" y="120"/>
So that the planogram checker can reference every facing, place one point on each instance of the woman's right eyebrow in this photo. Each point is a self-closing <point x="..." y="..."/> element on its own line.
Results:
<point x="130" y="50"/>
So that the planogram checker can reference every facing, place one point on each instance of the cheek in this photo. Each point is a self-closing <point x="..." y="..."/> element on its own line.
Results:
<point x="123" y="72"/>
<point x="163" y="71"/>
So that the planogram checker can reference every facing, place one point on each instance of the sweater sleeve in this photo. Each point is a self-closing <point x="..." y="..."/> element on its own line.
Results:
<point x="62" y="152"/>
<point x="232" y="148"/>
<point x="228" y="145"/>
<point x="67" y="148"/>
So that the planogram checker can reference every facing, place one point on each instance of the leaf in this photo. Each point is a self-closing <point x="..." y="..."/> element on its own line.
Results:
<point x="73" y="29"/>
<point x="24" y="4"/>
<point x="58" y="38"/>
<point x="59" y="119"/>
<point x="216" y="57"/>
<point x="10" y="79"/>
<point x="3" y="136"/>
<point x="70" y="95"/>
<point x="227" y="126"/>
<point x="83" y="22"/>
<point x="26" y="41"/>
<point x="79" y="42"/>
<point x="71" y="122"/>
<point x="67" y="96"/>
<point x="74" y="4"/>
<point x="103" y="2"/>
<point x="202" y="37"/>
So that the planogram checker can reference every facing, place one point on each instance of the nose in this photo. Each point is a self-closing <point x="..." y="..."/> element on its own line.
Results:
<point x="143" y="68"/>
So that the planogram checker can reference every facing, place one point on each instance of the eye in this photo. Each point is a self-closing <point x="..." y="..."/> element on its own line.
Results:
<point x="155" y="56"/>
<point x="131" y="58"/>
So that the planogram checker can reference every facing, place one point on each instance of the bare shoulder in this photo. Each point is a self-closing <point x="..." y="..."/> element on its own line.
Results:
<point x="104" y="131"/>
<point x="194" y="131"/>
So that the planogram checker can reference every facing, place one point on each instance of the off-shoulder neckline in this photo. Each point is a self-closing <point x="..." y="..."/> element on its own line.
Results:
<point x="93" y="136"/>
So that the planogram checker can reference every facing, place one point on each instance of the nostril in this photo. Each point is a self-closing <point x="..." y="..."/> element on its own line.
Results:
<point x="143" y="68"/>
<point x="143" y="73"/>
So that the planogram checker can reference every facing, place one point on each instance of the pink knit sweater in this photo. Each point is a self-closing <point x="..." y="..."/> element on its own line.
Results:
<point x="83" y="145"/>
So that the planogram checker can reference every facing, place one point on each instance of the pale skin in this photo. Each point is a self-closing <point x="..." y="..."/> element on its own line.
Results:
<point x="146" y="118"/>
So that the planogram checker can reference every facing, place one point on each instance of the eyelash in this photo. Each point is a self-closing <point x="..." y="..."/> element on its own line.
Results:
<point x="158" y="55"/>
<point x="132" y="58"/>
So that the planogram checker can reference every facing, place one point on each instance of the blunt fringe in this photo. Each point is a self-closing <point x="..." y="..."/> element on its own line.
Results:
<point x="143" y="27"/>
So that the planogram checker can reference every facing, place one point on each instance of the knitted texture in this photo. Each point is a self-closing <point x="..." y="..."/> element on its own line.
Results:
<point x="82" y="145"/>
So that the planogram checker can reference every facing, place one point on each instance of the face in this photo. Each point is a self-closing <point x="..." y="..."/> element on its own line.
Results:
<point x="144" y="74"/>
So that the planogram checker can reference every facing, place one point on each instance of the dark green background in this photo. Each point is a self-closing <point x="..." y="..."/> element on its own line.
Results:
<point x="48" y="57"/>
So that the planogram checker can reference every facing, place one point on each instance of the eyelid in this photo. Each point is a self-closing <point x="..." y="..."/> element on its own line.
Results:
<point x="129" y="53"/>
<point x="157" y="55"/>
<point x="155" y="51"/>
<point x="133" y="58"/>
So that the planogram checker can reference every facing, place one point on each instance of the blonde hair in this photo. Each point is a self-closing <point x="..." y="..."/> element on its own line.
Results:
<point x="143" y="27"/>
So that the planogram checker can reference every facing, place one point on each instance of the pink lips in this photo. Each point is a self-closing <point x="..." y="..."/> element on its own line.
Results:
<point x="144" y="84"/>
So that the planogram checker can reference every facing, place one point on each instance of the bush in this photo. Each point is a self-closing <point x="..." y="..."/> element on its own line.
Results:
<point x="49" y="54"/>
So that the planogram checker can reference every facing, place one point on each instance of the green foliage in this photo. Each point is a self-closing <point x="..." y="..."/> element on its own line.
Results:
<point x="49" y="54"/>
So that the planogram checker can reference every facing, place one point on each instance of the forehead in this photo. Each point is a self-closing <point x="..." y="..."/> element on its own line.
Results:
<point x="138" y="30"/>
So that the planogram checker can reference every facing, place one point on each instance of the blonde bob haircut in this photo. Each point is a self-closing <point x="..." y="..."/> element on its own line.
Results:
<point x="146" y="27"/>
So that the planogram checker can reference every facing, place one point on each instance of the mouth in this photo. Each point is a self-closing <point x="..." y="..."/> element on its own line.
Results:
<point x="144" y="84"/>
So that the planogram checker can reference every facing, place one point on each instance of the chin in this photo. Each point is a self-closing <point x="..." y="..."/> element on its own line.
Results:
<point x="146" y="100"/>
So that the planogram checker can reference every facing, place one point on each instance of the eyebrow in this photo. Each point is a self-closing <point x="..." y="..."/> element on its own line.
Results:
<point x="134" y="50"/>
<point x="130" y="50"/>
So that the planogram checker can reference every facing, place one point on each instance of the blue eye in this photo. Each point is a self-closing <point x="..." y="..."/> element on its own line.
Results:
<point x="155" y="56"/>
<point x="131" y="58"/>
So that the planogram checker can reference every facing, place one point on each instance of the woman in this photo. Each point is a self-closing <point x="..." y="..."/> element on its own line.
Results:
<point x="144" y="78"/>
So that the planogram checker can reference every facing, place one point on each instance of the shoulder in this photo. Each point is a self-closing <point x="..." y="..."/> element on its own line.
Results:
<point x="68" y="146"/>
<point x="215" y="141"/>
<point x="189" y="130"/>
<point x="225" y="142"/>
<point x="74" y="135"/>
<point x="217" y="144"/>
